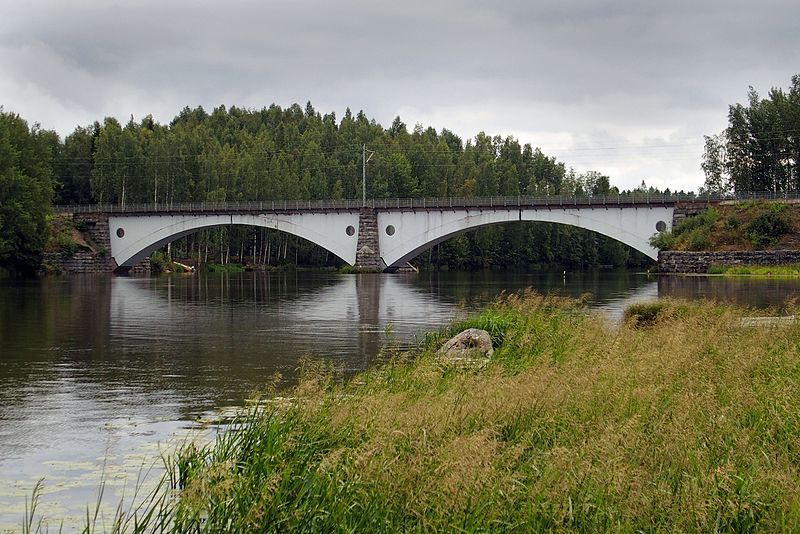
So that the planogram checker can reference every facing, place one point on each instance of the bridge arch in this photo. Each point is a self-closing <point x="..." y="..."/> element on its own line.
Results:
<point x="134" y="237"/>
<point x="404" y="235"/>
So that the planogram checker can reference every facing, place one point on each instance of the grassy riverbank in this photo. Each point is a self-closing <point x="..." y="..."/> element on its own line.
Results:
<point x="679" y="419"/>
<point x="756" y="270"/>
<point x="743" y="225"/>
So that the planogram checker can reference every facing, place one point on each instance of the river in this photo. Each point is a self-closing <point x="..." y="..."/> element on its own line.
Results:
<point x="99" y="374"/>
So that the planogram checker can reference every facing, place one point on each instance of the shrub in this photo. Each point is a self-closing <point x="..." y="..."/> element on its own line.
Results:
<point x="662" y="240"/>
<point x="698" y="239"/>
<point x="159" y="262"/>
<point x="66" y="245"/>
<point x="767" y="228"/>
<point x="705" y="218"/>
<point x="81" y="225"/>
<point x="732" y="222"/>
<point x="778" y="207"/>
<point x="644" y="314"/>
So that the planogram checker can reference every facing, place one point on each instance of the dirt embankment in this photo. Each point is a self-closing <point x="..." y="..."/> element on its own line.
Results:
<point x="737" y="226"/>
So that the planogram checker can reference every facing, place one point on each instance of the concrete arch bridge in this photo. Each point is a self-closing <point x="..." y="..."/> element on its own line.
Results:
<point x="381" y="234"/>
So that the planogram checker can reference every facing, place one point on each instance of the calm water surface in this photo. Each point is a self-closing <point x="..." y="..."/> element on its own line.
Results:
<point x="100" y="374"/>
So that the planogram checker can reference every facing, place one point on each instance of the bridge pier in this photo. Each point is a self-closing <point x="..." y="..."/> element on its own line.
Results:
<point x="368" y="252"/>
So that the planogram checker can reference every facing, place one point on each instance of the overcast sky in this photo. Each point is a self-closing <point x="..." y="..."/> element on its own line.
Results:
<point x="624" y="88"/>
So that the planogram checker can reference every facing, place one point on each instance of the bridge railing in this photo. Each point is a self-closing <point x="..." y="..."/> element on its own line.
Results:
<point x="419" y="203"/>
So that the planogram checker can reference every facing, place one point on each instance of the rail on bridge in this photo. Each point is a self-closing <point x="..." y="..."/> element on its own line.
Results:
<point x="642" y="199"/>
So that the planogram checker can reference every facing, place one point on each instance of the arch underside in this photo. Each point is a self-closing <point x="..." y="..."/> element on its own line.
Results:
<point x="630" y="226"/>
<point x="144" y="235"/>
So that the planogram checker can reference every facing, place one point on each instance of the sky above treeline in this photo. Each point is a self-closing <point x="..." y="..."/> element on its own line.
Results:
<point x="624" y="88"/>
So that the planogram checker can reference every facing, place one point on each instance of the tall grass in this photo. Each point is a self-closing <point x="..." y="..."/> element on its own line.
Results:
<point x="683" y="422"/>
<point x="756" y="270"/>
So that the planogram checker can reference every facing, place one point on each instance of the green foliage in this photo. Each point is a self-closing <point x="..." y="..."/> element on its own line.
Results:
<point x="732" y="222"/>
<point x="25" y="192"/>
<point x="693" y="233"/>
<point x="159" y="263"/>
<point x="66" y="245"/>
<point x="81" y="225"/>
<point x="704" y="219"/>
<point x="759" y="149"/>
<point x="778" y="207"/>
<point x="223" y="268"/>
<point x="662" y="240"/>
<point x="758" y="270"/>
<point x="698" y="239"/>
<point x="767" y="228"/>
<point x="497" y="324"/>
<point x="644" y="314"/>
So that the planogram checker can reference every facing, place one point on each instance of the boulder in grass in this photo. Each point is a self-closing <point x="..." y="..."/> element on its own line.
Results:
<point x="472" y="346"/>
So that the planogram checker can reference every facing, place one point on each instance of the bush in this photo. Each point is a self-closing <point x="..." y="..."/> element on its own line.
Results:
<point x="159" y="263"/>
<point x="81" y="225"/>
<point x="767" y="228"/>
<point x="66" y="245"/>
<point x="732" y="222"/>
<point x="778" y="207"/>
<point x="662" y="240"/>
<point x="644" y="314"/>
<point x="698" y="239"/>
<point x="704" y="219"/>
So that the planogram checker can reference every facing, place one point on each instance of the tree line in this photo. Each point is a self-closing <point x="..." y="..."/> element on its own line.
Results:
<point x="760" y="148"/>
<point x="294" y="153"/>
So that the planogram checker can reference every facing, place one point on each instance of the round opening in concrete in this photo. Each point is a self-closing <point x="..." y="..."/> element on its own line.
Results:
<point x="350" y="230"/>
<point x="120" y="232"/>
<point x="661" y="226"/>
<point x="390" y="230"/>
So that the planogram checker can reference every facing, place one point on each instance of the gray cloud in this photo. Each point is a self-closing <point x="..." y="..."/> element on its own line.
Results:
<point x="627" y="88"/>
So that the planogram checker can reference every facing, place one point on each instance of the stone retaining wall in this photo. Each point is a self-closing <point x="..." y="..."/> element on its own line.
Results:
<point x="86" y="261"/>
<point x="674" y="261"/>
<point x="90" y="263"/>
<point x="80" y="263"/>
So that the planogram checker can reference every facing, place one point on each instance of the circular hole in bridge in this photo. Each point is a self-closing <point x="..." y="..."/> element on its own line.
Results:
<point x="390" y="230"/>
<point x="350" y="230"/>
<point x="120" y="232"/>
<point x="661" y="226"/>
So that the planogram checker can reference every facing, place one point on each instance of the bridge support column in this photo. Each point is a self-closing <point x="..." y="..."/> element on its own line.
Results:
<point x="368" y="253"/>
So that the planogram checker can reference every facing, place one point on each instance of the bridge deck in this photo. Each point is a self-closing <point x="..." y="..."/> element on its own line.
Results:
<point x="398" y="204"/>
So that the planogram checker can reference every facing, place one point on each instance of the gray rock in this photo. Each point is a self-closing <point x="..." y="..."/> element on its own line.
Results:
<point x="470" y="346"/>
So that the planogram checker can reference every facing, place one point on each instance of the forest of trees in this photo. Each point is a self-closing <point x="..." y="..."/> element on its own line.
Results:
<point x="760" y="148"/>
<point x="26" y="190"/>
<point x="294" y="153"/>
